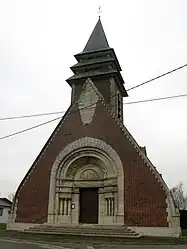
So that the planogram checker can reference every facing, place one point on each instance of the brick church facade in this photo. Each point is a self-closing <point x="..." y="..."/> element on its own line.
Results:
<point x="91" y="170"/>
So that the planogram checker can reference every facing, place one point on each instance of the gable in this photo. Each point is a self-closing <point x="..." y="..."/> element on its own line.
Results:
<point x="99" y="122"/>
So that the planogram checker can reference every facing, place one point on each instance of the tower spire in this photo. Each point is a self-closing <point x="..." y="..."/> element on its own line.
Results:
<point x="97" y="40"/>
<point x="97" y="62"/>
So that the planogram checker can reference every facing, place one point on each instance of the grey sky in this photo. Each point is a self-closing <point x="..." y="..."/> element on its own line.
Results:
<point x="38" y="39"/>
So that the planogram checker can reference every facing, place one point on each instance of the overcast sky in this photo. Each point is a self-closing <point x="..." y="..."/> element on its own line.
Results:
<point x="38" y="39"/>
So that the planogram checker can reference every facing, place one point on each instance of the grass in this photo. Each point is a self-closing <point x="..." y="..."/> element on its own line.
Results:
<point x="97" y="240"/>
<point x="2" y="227"/>
<point x="184" y="232"/>
<point x="81" y="239"/>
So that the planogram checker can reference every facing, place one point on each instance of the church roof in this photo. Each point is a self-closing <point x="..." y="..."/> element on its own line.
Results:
<point x="97" y="60"/>
<point x="97" y="40"/>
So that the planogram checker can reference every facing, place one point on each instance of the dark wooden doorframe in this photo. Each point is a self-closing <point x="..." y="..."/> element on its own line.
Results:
<point x="88" y="206"/>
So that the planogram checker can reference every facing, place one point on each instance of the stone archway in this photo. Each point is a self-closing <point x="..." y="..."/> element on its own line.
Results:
<point x="86" y="163"/>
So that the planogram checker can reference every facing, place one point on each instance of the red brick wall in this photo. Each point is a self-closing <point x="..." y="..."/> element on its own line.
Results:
<point x="144" y="198"/>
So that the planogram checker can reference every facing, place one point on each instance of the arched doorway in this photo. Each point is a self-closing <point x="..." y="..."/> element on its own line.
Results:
<point x="87" y="187"/>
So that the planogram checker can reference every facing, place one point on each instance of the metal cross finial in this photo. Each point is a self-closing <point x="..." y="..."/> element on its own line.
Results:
<point x="99" y="11"/>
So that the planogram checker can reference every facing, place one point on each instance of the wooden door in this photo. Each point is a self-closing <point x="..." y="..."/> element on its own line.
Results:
<point x="88" y="206"/>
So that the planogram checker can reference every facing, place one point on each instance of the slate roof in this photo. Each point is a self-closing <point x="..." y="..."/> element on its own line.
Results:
<point x="97" y="39"/>
<point x="4" y="202"/>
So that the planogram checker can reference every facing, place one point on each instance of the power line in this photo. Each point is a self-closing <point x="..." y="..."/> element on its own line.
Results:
<point x="51" y="113"/>
<point x="31" y="116"/>
<point x="128" y="103"/>
<point x="156" y="99"/>
<point x="30" y="128"/>
<point x="49" y="121"/>
<point x="60" y="112"/>
<point x="169" y="72"/>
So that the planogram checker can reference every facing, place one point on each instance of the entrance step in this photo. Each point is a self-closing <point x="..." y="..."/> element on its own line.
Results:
<point x="84" y="230"/>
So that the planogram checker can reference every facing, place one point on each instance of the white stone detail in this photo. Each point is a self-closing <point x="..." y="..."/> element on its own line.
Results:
<point x="89" y="174"/>
<point x="158" y="231"/>
<point x="20" y="226"/>
<point x="87" y="102"/>
<point x="110" y="162"/>
<point x="173" y="213"/>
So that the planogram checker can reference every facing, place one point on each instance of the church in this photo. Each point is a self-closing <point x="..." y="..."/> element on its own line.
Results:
<point x="91" y="171"/>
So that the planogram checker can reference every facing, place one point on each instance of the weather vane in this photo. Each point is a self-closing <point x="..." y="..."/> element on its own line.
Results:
<point x="99" y="11"/>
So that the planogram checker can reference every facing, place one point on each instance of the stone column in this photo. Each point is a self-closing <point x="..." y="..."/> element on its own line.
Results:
<point x="101" y="209"/>
<point x="115" y="206"/>
<point x="120" y="209"/>
<point x="56" y="208"/>
<point x="76" y="210"/>
<point x="65" y="206"/>
<point x="120" y="202"/>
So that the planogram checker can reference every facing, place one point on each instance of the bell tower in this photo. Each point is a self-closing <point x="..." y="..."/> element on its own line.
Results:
<point x="98" y="62"/>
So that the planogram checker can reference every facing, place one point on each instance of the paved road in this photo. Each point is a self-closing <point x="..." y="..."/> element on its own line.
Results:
<point x="21" y="244"/>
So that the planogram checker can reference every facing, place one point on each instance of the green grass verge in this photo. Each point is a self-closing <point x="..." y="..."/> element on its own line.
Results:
<point x="2" y="226"/>
<point x="97" y="240"/>
<point x="184" y="232"/>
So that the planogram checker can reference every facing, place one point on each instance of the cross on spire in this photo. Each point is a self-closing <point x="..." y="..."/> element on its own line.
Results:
<point x="99" y="11"/>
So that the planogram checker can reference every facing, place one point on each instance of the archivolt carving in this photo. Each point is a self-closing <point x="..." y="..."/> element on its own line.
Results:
<point x="69" y="169"/>
<point x="110" y="166"/>
<point x="92" y="171"/>
<point x="89" y="174"/>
